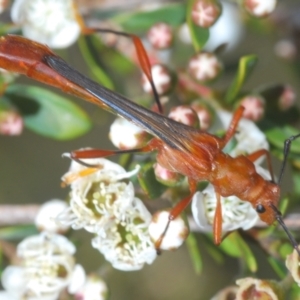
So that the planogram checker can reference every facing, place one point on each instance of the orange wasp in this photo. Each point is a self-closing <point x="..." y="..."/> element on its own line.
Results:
<point x="180" y="148"/>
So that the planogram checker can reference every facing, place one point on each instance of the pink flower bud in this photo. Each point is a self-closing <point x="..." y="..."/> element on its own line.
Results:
<point x="205" y="66"/>
<point x="166" y="176"/>
<point x="206" y="12"/>
<point x="3" y="5"/>
<point x="254" y="107"/>
<point x="11" y="123"/>
<point x="204" y="115"/>
<point x="160" y="35"/>
<point x="162" y="79"/>
<point x="184" y="114"/>
<point x="286" y="49"/>
<point x="260" y="8"/>
<point x="287" y="99"/>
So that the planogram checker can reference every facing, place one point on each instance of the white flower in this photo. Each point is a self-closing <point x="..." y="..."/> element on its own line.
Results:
<point x="45" y="218"/>
<point x="125" y="135"/>
<point x="125" y="242"/>
<point x="264" y="289"/>
<point x="47" y="267"/>
<point x="235" y="212"/>
<point x="77" y="279"/>
<point x="95" y="194"/>
<point x="52" y="22"/>
<point x="176" y="233"/>
<point x="293" y="265"/>
<point x="106" y="206"/>
<point x="248" y="136"/>
<point x="94" y="289"/>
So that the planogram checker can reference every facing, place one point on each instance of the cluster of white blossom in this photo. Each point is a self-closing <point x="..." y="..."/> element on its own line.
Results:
<point x="103" y="203"/>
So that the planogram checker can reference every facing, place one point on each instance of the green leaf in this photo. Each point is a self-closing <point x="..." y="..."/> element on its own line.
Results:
<point x="17" y="232"/>
<point x="47" y="113"/>
<point x="246" y="65"/>
<point x="296" y="181"/>
<point x="194" y="252"/>
<point x="148" y="182"/>
<point x="94" y="68"/>
<point x="173" y="15"/>
<point x="277" y="135"/>
<point x="278" y="267"/>
<point x="199" y="35"/>
<point x="248" y="255"/>
<point x="230" y="245"/>
<point x="214" y="252"/>
<point x="235" y="246"/>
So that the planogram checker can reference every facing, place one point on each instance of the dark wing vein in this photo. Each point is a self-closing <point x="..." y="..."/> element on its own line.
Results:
<point x="171" y="132"/>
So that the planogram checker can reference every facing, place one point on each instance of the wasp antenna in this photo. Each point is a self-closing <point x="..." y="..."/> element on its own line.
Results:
<point x="280" y="221"/>
<point x="286" y="151"/>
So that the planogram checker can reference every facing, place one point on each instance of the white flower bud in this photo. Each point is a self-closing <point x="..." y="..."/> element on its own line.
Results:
<point x="176" y="234"/>
<point x="45" y="218"/>
<point x="94" y="289"/>
<point x="125" y="135"/>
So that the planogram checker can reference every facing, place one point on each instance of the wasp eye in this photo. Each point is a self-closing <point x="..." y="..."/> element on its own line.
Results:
<point x="260" y="208"/>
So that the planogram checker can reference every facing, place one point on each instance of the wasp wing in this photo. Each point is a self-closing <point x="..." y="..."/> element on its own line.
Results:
<point x="171" y="132"/>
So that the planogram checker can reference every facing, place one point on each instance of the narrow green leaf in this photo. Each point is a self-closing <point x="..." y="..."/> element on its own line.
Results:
<point x="235" y="246"/>
<point x="246" y="65"/>
<point x="277" y="266"/>
<point x="173" y="14"/>
<point x="231" y="246"/>
<point x="247" y="255"/>
<point x="296" y="181"/>
<point x="198" y="34"/>
<point x="148" y="182"/>
<point x="283" y="205"/>
<point x="214" y="252"/>
<point x="94" y="68"/>
<point x="17" y="232"/>
<point x="194" y="252"/>
<point x="47" y="113"/>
